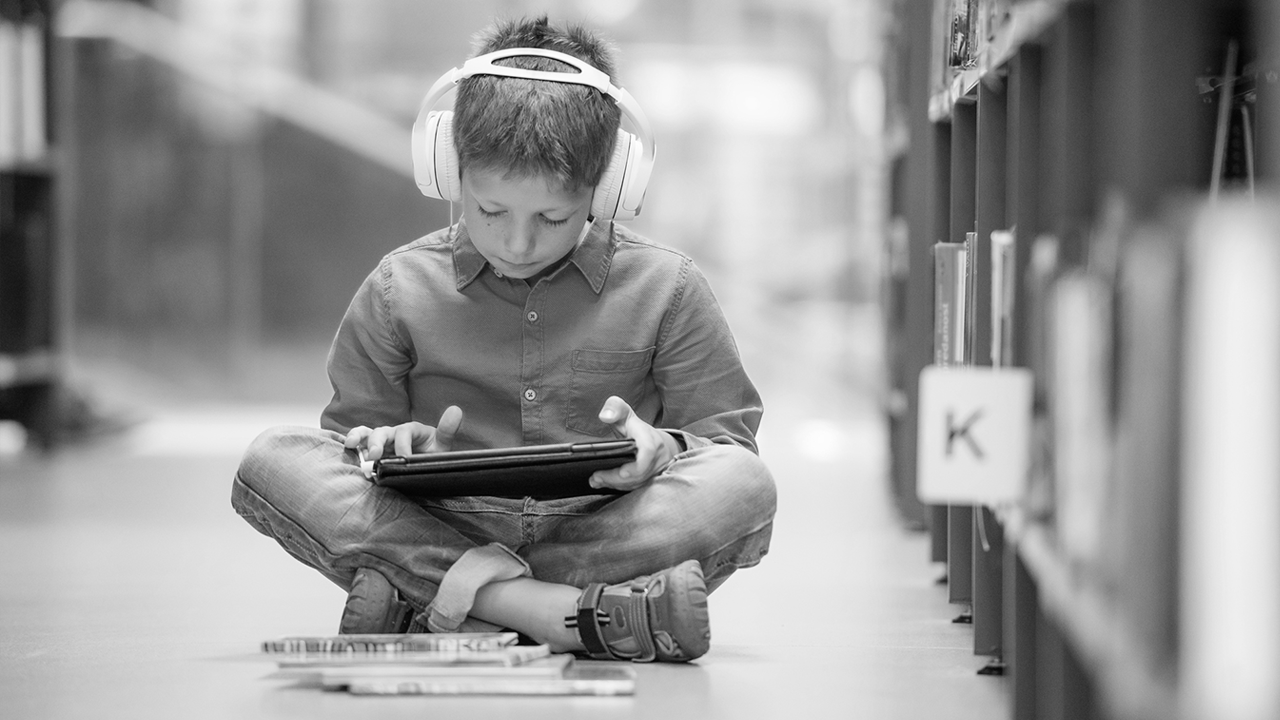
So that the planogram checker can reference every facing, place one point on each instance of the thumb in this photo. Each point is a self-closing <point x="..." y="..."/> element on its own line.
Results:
<point x="447" y="428"/>
<point x="615" y="412"/>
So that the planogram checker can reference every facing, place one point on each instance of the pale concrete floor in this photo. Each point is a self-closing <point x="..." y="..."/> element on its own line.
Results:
<point x="129" y="588"/>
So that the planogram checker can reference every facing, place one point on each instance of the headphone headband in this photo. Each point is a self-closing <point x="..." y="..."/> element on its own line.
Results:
<point x="629" y="203"/>
<point x="587" y="75"/>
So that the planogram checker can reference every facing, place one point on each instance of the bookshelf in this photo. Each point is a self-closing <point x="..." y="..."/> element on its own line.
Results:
<point x="29" y="360"/>
<point x="1127" y="149"/>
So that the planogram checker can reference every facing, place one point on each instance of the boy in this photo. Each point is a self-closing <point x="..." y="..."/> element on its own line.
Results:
<point x="529" y="323"/>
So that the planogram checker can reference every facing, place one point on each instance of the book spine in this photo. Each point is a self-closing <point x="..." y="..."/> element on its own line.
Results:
<point x="403" y="644"/>
<point x="1081" y="358"/>
<point x="1229" y="575"/>
<point x="970" y="294"/>
<point x="10" y="83"/>
<point x="961" y="21"/>
<point x="504" y="657"/>
<point x="32" y="140"/>
<point x="949" y="304"/>
<point x="1002" y="295"/>
<point x="1143" y="523"/>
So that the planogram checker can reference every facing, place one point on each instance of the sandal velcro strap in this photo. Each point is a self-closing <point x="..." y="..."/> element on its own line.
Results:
<point x="638" y="621"/>
<point x="588" y="622"/>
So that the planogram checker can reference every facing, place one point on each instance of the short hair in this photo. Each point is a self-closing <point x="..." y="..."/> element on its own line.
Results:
<point x="531" y="127"/>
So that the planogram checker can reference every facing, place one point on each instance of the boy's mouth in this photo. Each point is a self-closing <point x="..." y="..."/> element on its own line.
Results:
<point x="516" y="268"/>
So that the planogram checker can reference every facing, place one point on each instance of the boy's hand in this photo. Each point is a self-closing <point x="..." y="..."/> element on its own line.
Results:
<point x="407" y="438"/>
<point x="654" y="448"/>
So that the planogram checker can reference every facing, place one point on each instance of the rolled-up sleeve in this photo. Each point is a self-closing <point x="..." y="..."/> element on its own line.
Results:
<point x="706" y="394"/>
<point x="369" y="361"/>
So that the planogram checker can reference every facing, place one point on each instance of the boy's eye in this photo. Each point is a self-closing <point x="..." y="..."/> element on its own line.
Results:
<point x="554" y="223"/>
<point x="486" y="213"/>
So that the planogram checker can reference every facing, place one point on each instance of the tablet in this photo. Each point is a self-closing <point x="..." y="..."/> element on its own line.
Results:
<point x="538" y="471"/>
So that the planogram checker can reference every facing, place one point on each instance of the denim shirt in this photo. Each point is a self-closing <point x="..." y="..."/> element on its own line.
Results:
<point x="435" y="325"/>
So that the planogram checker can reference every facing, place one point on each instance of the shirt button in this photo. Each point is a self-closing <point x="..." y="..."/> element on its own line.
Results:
<point x="530" y="395"/>
<point x="533" y="316"/>
<point x="497" y="272"/>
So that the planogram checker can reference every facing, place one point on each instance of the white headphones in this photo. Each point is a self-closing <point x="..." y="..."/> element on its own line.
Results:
<point x="620" y="192"/>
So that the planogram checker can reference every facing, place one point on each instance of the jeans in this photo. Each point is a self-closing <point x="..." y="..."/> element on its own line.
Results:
<point x="301" y="487"/>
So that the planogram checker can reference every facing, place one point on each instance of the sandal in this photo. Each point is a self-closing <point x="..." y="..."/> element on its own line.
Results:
<point x="654" y="617"/>
<point x="374" y="606"/>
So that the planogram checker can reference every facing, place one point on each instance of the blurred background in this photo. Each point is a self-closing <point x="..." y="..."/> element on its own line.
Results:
<point x="220" y="176"/>
<point x="230" y="170"/>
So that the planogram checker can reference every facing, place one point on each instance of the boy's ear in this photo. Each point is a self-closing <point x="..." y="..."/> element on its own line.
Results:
<point x="435" y="159"/>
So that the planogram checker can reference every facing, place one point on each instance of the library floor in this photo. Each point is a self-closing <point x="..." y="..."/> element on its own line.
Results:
<point x="129" y="588"/>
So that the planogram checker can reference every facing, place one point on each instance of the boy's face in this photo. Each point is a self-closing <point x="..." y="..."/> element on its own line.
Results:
<point x="522" y="225"/>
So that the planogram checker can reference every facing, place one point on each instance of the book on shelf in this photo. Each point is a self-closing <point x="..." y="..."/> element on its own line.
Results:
<point x="961" y="41"/>
<point x="1229" y="499"/>
<point x="993" y="16"/>
<point x="31" y="33"/>
<point x="1080" y="387"/>
<point x="971" y="294"/>
<point x="1042" y="270"/>
<point x="893" y="305"/>
<point x="23" y="82"/>
<point x="1143" y="526"/>
<point x="950" y="303"/>
<point x="10" y="82"/>
<point x="1003" y="287"/>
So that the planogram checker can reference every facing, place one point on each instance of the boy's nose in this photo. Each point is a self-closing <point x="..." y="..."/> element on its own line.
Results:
<point x="520" y="239"/>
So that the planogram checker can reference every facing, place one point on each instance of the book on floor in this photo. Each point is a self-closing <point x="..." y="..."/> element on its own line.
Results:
<point x="603" y="679"/>
<point x="439" y="664"/>
<point x="339" y="676"/>
<point x="391" y="643"/>
<point x="500" y="657"/>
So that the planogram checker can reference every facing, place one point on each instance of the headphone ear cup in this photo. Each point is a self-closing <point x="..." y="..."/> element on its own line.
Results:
<point x="435" y="159"/>
<point x="446" y="160"/>
<point x="606" y="201"/>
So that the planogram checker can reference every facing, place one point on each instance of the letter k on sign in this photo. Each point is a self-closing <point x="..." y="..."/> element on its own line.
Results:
<point x="974" y="431"/>
<point x="955" y="432"/>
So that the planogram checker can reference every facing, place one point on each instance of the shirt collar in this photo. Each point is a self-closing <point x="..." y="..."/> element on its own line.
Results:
<point x="467" y="260"/>
<point x="592" y="257"/>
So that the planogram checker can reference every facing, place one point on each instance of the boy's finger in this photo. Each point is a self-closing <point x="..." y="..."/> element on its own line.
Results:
<point x="602" y="479"/>
<point x="377" y="442"/>
<point x="616" y="479"/>
<point x="355" y="436"/>
<point x="404" y="440"/>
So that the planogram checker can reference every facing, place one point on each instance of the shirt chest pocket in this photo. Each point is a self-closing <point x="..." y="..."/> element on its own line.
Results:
<point x="597" y="374"/>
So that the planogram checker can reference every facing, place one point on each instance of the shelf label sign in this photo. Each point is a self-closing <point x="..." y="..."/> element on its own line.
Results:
<point x="974" y="435"/>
